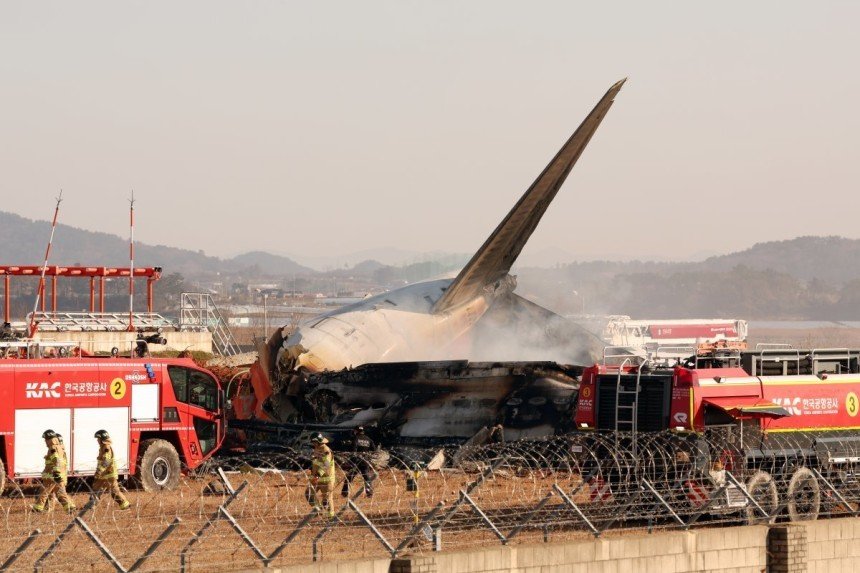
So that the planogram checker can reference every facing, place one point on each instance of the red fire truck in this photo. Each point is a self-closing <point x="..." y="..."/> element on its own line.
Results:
<point x="772" y="416"/>
<point x="163" y="415"/>
<point x="777" y="391"/>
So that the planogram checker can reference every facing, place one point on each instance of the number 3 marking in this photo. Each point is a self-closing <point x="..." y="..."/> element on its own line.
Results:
<point x="851" y="404"/>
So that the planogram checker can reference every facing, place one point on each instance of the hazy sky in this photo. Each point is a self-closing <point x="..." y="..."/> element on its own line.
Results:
<point x="329" y="127"/>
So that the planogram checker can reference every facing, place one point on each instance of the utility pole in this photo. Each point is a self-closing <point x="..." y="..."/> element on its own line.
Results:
<point x="31" y="331"/>
<point x="131" y="264"/>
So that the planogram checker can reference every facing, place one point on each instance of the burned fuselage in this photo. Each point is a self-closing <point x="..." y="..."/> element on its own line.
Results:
<point x="300" y="376"/>
<point x="413" y="402"/>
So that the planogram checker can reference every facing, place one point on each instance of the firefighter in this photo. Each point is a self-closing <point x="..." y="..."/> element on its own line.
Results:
<point x="106" y="477"/>
<point x="322" y="474"/>
<point x="359" y="462"/>
<point x="55" y="475"/>
<point x="413" y="487"/>
<point x="62" y="450"/>
<point x="496" y="435"/>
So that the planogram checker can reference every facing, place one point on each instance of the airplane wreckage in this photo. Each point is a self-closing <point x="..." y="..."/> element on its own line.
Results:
<point x="390" y="361"/>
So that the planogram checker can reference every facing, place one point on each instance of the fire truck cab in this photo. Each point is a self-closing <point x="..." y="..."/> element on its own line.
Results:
<point x="163" y="415"/>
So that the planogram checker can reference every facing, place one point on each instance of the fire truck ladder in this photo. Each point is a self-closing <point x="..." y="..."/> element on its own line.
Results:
<point x="198" y="310"/>
<point x="629" y="409"/>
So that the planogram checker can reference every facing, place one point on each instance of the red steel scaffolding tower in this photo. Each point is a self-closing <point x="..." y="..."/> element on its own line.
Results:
<point x="152" y="274"/>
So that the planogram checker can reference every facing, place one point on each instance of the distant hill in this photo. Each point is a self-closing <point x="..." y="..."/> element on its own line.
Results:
<point x="387" y="256"/>
<point x="273" y="264"/>
<point x="367" y="267"/>
<point x="831" y="260"/>
<point x="835" y="259"/>
<point x="22" y="241"/>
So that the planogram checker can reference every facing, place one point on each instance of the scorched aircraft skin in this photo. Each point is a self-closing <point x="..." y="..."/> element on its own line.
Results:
<point x="426" y="321"/>
<point x="416" y="402"/>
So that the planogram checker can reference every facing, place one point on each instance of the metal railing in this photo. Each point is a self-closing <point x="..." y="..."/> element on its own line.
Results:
<point x="99" y="321"/>
<point x="197" y="310"/>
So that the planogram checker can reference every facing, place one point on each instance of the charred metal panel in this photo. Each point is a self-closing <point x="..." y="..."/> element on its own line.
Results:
<point x="413" y="402"/>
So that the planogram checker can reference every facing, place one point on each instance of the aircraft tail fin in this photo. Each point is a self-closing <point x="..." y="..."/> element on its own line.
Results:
<point x="496" y="256"/>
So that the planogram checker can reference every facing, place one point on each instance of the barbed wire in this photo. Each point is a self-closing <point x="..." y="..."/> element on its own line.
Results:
<point x="258" y="510"/>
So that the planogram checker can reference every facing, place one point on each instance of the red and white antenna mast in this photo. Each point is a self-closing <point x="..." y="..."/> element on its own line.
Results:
<point x="131" y="264"/>
<point x="31" y="331"/>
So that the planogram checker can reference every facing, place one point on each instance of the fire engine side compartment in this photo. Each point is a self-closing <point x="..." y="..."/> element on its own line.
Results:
<point x="823" y="412"/>
<point x="816" y="404"/>
<point x="133" y="399"/>
<point x="68" y="397"/>
<point x="715" y="383"/>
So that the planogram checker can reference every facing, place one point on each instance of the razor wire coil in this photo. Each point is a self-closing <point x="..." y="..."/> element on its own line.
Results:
<point x="255" y="510"/>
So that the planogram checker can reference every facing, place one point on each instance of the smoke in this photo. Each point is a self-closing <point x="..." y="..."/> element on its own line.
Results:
<point x="518" y="330"/>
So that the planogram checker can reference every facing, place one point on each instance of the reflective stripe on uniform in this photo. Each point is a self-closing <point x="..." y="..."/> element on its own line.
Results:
<point x="323" y="467"/>
<point x="54" y="464"/>
<point x="106" y="464"/>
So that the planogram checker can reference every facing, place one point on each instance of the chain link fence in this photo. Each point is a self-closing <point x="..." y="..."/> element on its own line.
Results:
<point x="255" y="511"/>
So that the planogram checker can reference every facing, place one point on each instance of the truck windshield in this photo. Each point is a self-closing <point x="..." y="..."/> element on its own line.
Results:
<point x="194" y="387"/>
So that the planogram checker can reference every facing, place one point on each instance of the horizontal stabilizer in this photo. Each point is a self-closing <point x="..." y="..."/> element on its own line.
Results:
<point x="494" y="259"/>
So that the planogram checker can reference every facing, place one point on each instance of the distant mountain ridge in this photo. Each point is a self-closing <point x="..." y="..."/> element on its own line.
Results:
<point x="273" y="264"/>
<point x="388" y="256"/>
<point x="825" y="258"/>
<point x="22" y="242"/>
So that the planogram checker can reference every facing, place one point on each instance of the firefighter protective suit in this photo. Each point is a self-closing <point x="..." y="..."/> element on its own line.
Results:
<point x="106" y="476"/>
<point x="322" y="475"/>
<point x="55" y="476"/>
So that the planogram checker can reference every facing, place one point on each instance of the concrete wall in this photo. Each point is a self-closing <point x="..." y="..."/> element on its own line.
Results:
<point x="825" y="546"/>
<point x="363" y="566"/>
<point x="104" y="341"/>
<point x="833" y="545"/>
<point x="723" y="550"/>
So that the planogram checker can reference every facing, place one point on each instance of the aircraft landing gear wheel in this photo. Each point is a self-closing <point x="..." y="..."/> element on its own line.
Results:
<point x="158" y="468"/>
<point x="762" y="489"/>
<point x="804" y="495"/>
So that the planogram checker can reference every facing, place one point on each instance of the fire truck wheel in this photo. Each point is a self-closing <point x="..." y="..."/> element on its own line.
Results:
<point x="804" y="495"/>
<point x="159" y="465"/>
<point x="762" y="489"/>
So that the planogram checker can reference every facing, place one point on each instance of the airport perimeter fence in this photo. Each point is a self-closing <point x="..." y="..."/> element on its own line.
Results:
<point x="254" y="511"/>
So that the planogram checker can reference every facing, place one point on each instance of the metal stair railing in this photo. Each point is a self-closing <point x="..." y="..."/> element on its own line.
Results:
<point x="198" y="310"/>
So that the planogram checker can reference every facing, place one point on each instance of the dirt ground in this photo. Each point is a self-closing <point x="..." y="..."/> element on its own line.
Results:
<point x="270" y="510"/>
